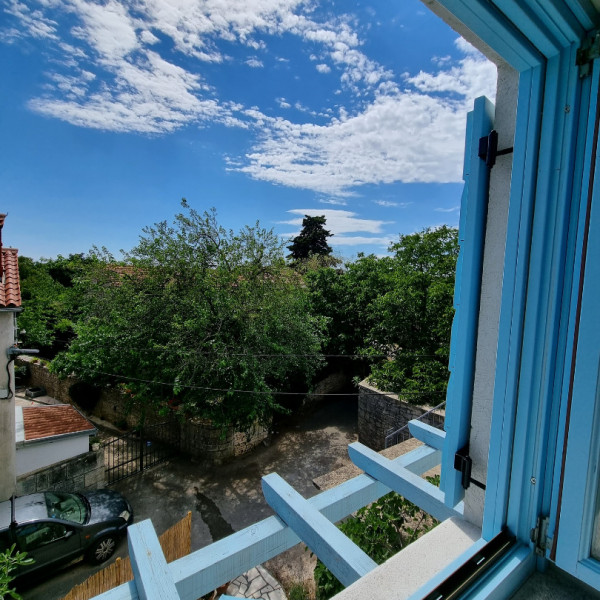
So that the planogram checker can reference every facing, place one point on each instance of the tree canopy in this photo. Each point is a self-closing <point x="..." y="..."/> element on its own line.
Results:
<point x="215" y="324"/>
<point x="50" y="301"/>
<point x="397" y="310"/>
<point x="198" y="318"/>
<point x="311" y="241"/>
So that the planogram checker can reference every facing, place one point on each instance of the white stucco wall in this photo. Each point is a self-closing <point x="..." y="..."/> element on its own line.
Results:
<point x="7" y="407"/>
<point x="35" y="454"/>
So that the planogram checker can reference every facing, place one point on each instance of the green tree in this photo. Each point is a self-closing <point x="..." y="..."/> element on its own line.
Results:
<point x="215" y="316"/>
<point x="395" y="310"/>
<point x="311" y="241"/>
<point x="380" y="529"/>
<point x="50" y="301"/>
<point x="345" y="297"/>
<point x="414" y="317"/>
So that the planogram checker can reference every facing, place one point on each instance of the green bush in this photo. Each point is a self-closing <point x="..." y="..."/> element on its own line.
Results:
<point x="381" y="530"/>
<point x="8" y="564"/>
<point x="298" y="591"/>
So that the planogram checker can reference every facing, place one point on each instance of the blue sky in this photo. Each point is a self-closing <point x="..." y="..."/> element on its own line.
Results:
<point x="112" y="111"/>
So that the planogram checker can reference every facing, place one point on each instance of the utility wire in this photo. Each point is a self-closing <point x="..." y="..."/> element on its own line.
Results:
<point x="287" y="355"/>
<point x="236" y="391"/>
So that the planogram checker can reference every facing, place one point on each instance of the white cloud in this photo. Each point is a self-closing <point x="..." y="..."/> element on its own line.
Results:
<point x="117" y="40"/>
<point x="390" y="204"/>
<point x="338" y="221"/>
<point x="322" y="68"/>
<point x="472" y="76"/>
<point x="361" y="240"/>
<point x="403" y="135"/>
<point x="150" y="95"/>
<point x="255" y="63"/>
<point x="408" y="137"/>
<point x="148" y="37"/>
<point x="31" y="23"/>
<point x="448" y="210"/>
<point x="136" y="85"/>
<point x="334" y="202"/>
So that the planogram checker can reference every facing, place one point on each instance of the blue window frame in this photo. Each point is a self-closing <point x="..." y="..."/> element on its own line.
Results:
<point x="577" y="490"/>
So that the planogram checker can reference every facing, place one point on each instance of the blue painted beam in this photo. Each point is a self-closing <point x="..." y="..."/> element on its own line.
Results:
<point x="336" y="551"/>
<point x="420" y="460"/>
<point x="463" y="342"/>
<point x="432" y="436"/>
<point x="152" y="577"/>
<point x="206" y="569"/>
<point x="414" y="488"/>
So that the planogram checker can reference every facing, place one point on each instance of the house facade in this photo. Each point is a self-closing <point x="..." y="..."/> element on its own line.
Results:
<point x="521" y="446"/>
<point x="10" y="305"/>
<point x="51" y="434"/>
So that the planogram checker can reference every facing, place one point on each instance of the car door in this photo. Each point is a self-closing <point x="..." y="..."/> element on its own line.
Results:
<point x="48" y="542"/>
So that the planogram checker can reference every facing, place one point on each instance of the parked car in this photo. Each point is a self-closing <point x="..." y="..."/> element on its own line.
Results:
<point x="56" y="527"/>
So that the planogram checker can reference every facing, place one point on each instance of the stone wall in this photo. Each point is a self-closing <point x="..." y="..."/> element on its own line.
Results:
<point x="244" y="441"/>
<point x="332" y="384"/>
<point x="112" y="405"/>
<point x="40" y="376"/>
<point x="85" y="471"/>
<point x="379" y="412"/>
<point x="198" y="438"/>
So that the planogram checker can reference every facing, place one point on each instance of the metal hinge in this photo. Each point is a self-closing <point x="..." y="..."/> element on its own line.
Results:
<point x="589" y="51"/>
<point x="539" y="536"/>
<point x="464" y="464"/>
<point x="488" y="149"/>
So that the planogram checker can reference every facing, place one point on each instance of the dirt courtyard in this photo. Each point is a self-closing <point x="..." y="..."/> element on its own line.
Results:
<point x="224" y="499"/>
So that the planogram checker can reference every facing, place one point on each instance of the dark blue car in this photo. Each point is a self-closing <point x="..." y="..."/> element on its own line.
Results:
<point x="57" y="527"/>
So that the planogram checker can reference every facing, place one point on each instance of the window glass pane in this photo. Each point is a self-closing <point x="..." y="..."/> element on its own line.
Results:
<point x="69" y="507"/>
<point x="5" y="541"/>
<point x="35" y="535"/>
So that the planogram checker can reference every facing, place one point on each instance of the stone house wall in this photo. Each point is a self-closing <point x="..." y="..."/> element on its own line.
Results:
<point x="85" y="471"/>
<point x="380" y="412"/>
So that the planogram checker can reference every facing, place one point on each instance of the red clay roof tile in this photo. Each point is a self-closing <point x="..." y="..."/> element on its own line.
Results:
<point x="10" y="287"/>
<point x="48" y="421"/>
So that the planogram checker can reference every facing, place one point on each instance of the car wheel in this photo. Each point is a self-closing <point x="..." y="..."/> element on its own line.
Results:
<point x="102" y="550"/>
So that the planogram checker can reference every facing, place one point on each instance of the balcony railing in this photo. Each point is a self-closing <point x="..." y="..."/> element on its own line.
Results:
<point x="297" y="520"/>
<point x="397" y="436"/>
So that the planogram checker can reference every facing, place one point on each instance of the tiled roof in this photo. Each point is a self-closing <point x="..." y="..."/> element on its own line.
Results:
<point x="49" y="421"/>
<point x="10" y="287"/>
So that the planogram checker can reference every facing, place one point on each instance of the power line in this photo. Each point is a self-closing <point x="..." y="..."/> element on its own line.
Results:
<point x="279" y="355"/>
<point x="236" y="391"/>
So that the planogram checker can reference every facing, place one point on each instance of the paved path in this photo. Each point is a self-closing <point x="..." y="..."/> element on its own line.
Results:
<point x="256" y="583"/>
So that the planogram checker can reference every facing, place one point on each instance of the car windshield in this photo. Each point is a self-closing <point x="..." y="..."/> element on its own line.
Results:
<point x="69" y="507"/>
